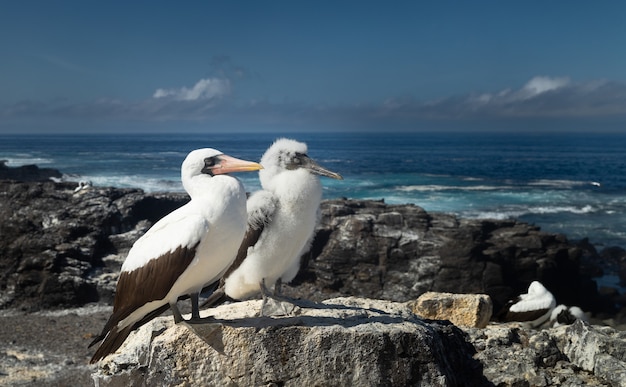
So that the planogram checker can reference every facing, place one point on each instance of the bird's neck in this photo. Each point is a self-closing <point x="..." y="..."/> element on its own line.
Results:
<point x="222" y="187"/>
<point x="297" y="189"/>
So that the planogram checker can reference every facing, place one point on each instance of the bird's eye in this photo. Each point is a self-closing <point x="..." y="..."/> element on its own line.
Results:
<point x="210" y="162"/>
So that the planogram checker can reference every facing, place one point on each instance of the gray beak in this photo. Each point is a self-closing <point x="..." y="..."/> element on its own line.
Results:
<point x="317" y="169"/>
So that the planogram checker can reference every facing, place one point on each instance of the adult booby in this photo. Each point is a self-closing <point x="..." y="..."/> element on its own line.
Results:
<point x="189" y="248"/>
<point x="532" y="308"/>
<point x="82" y="185"/>
<point x="281" y="221"/>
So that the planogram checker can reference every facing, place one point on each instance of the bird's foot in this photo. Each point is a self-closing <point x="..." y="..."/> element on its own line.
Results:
<point x="200" y="320"/>
<point x="273" y="306"/>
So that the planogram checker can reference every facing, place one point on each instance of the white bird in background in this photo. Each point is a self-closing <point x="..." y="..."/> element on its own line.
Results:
<point x="533" y="308"/>
<point x="563" y="315"/>
<point x="281" y="222"/>
<point x="82" y="185"/>
<point x="189" y="248"/>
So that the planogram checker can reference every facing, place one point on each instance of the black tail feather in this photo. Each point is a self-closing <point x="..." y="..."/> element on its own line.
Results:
<point x="111" y="343"/>
<point x="114" y="338"/>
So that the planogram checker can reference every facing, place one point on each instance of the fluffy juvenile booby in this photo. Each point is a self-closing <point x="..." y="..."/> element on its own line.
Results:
<point x="281" y="221"/>
<point x="532" y="308"/>
<point x="189" y="248"/>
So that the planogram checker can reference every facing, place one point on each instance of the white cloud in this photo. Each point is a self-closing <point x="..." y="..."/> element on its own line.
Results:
<point x="204" y="89"/>
<point x="540" y="85"/>
<point x="540" y="97"/>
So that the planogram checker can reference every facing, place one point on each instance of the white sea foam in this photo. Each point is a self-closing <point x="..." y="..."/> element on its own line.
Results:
<point x="437" y="187"/>
<point x="558" y="183"/>
<point x="130" y="181"/>
<point x="509" y="213"/>
<point x="560" y="209"/>
<point x="18" y="161"/>
<point x="500" y="215"/>
<point x="147" y="184"/>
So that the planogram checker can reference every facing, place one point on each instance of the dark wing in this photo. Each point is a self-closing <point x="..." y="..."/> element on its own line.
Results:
<point x="149" y="282"/>
<point x="502" y="313"/>
<point x="525" y="316"/>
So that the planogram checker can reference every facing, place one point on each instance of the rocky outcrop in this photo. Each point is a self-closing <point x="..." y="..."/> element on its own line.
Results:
<point x="599" y="350"/>
<point x="59" y="248"/>
<point x="351" y="341"/>
<point x="27" y="173"/>
<point x="398" y="252"/>
<point x="574" y="355"/>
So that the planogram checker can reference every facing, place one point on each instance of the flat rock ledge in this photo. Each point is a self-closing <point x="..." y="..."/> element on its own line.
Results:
<point x="343" y="341"/>
<point x="357" y="341"/>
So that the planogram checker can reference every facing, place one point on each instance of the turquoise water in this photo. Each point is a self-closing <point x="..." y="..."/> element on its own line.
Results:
<point x="570" y="183"/>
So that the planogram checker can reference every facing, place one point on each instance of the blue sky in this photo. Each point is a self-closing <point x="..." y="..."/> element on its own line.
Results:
<point x="82" y="66"/>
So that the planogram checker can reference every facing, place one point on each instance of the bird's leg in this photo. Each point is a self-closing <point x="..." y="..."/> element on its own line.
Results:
<point x="177" y="316"/>
<point x="278" y="295"/>
<point x="265" y="293"/>
<point x="277" y="286"/>
<point x="264" y="290"/>
<point x="195" y="310"/>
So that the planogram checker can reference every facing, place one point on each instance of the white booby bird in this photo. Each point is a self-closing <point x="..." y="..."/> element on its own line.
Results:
<point x="82" y="185"/>
<point x="281" y="222"/>
<point x="189" y="248"/>
<point x="563" y="315"/>
<point x="533" y="308"/>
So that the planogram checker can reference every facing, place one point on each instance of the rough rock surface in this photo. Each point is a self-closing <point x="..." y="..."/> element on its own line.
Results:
<point x="600" y="350"/>
<point x="60" y="249"/>
<point x="342" y="342"/>
<point x="465" y="310"/>
<point x="352" y="341"/>
<point x="575" y="355"/>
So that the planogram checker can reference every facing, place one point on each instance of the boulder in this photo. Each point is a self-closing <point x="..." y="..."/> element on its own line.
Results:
<point x="465" y="310"/>
<point x="346" y="341"/>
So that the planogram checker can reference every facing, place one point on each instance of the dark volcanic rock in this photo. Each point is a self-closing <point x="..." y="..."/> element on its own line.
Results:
<point x="398" y="252"/>
<point x="27" y="173"/>
<point x="60" y="248"/>
<point x="53" y="241"/>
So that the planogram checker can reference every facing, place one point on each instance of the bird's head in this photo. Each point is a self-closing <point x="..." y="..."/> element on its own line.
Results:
<point x="211" y="162"/>
<point x="536" y="288"/>
<point x="288" y="155"/>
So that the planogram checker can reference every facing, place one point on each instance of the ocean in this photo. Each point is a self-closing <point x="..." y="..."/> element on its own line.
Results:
<point x="569" y="183"/>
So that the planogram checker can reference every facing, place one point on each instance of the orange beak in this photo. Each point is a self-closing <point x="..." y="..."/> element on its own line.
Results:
<point x="230" y="164"/>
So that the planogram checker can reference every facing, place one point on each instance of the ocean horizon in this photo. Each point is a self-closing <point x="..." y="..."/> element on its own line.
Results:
<point x="568" y="183"/>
